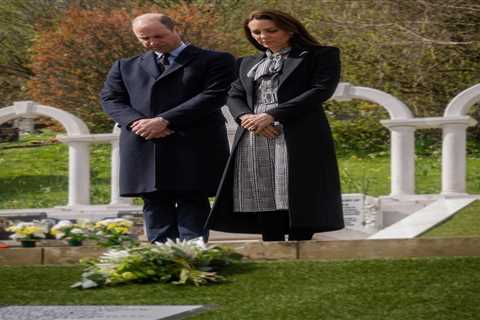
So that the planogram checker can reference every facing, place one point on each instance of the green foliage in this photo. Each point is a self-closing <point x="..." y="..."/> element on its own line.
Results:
<point x="180" y="263"/>
<point x="34" y="172"/>
<point x="356" y="128"/>
<point x="21" y="23"/>
<point x="74" y="232"/>
<point x="428" y="142"/>
<point x="113" y="233"/>
<point x="369" y="175"/>
<point x="37" y="177"/>
<point x="71" y="60"/>
<point x="34" y="177"/>
<point x="18" y="20"/>
<point x="422" y="52"/>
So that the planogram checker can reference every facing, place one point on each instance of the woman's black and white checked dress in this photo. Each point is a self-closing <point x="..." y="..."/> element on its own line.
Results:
<point x="261" y="165"/>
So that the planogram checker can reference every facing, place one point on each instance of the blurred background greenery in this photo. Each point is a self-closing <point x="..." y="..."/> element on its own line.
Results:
<point x="424" y="52"/>
<point x="57" y="52"/>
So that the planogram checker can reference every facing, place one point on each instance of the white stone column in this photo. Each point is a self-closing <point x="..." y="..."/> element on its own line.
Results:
<point x="78" y="173"/>
<point x="454" y="158"/>
<point x="116" y="200"/>
<point x="402" y="159"/>
<point x="25" y="123"/>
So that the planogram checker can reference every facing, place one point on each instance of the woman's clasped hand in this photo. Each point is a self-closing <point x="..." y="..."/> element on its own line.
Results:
<point x="261" y="124"/>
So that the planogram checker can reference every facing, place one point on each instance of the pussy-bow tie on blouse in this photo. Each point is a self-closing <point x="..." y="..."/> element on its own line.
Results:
<point x="271" y="64"/>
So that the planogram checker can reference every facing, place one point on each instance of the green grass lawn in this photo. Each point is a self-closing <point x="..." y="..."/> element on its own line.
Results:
<point x="427" y="288"/>
<point x="464" y="223"/>
<point x="36" y="177"/>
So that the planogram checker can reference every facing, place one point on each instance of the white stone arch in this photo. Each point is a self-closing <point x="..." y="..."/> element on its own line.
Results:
<point x="454" y="145"/>
<point x="395" y="108"/>
<point x="79" y="151"/>
<point x="72" y="124"/>
<point x="402" y="145"/>
<point x="462" y="102"/>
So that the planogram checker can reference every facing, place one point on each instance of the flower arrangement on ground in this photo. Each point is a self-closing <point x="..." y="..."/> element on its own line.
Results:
<point x="74" y="233"/>
<point x="28" y="232"/>
<point x="49" y="223"/>
<point x="113" y="232"/>
<point x="177" y="262"/>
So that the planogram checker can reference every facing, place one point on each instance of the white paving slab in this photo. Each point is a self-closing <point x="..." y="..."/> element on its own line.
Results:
<point x="140" y="312"/>
<point x="423" y="219"/>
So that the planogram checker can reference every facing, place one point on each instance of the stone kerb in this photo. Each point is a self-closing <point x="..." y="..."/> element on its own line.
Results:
<point x="402" y="144"/>
<point x="294" y="250"/>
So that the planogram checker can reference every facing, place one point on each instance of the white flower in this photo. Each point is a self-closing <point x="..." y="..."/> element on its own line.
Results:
<point x="39" y="234"/>
<point x="59" y="235"/>
<point x="89" y="284"/>
<point x="44" y="224"/>
<point x="190" y="247"/>
<point x="62" y="224"/>
<point x="25" y="230"/>
<point x="200" y="243"/>
<point x="114" y="256"/>
<point x="77" y="231"/>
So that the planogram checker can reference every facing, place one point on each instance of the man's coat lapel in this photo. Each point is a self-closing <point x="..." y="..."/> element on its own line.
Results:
<point x="149" y="63"/>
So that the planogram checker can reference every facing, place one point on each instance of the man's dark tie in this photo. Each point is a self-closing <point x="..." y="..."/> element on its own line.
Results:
<point x="162" y="61"/>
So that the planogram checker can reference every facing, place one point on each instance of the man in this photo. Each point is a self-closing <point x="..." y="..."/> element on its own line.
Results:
<point x="173" y="143"/>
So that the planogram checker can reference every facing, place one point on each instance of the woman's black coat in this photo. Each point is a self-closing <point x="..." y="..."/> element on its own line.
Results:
<point x="309" y="77"/>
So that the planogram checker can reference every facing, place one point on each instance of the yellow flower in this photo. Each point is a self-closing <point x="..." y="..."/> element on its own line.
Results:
<point x="129" y="275"/>
<point x="121" y="230"/>
<point x="25" y="230"/>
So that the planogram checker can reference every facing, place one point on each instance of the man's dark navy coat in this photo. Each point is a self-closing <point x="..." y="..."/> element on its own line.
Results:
<point x="189" y="94"/>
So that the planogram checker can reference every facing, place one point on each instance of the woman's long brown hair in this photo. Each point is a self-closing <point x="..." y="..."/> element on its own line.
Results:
<point x="300" y="36"/>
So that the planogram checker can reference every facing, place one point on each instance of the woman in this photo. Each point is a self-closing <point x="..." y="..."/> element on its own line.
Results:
<point x="282" y="175"/>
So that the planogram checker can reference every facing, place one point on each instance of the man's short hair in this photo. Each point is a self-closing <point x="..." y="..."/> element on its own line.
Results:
<point x="168" y="22"/>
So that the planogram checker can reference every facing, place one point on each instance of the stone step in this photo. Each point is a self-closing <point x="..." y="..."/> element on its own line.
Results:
<point x="292" y="250"/>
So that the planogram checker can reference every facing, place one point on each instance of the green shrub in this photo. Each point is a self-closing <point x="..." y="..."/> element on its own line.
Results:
<point x="357" y="129"/>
